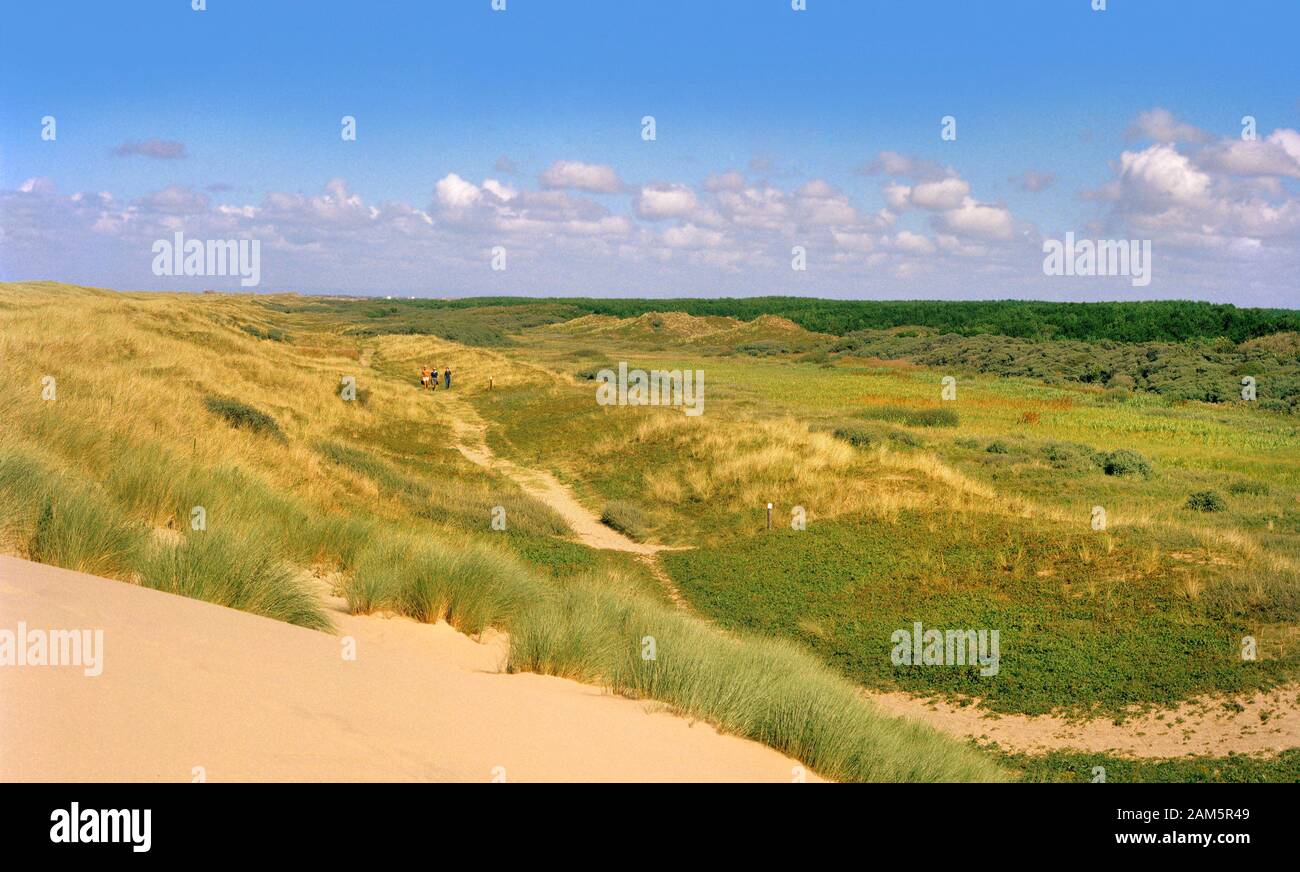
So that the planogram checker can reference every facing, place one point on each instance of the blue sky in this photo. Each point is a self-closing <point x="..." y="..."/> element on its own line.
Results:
<point x="799" y="105"/>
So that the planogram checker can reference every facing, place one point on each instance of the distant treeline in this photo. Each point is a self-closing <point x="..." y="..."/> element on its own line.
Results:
<point x="1205" y="370"/>
<point x="1156" y="321"/>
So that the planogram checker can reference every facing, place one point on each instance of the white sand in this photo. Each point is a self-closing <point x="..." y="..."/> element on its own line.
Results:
<point x="188" y="684"/>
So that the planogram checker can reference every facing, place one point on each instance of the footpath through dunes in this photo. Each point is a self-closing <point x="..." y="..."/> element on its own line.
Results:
<point x="187" y="684"/>
<point x="471" y="432"/>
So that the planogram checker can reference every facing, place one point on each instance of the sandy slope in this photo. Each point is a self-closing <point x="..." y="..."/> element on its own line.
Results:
<point x="188" y="684"/>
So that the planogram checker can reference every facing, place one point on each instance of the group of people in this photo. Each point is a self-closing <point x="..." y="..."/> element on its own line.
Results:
<point x="429" y="378"/>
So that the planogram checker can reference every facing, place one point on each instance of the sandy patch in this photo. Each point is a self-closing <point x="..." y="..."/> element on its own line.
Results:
<point x="188" y="684"/>
<point x="1265" y="723"/>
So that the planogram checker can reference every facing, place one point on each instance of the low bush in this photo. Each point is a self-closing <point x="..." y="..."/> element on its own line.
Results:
<point x="859" y="437"/>
<point x="242" y="416"/>
<point x="941" y="417"/>
<point x="1067" y="455"/>
<point x="1124" y="462"/>
<point x="1206" y="501"/>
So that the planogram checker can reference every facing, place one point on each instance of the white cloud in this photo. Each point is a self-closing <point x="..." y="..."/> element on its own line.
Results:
<point x="596" y="178"/>
<point x="913" y="243"/>
<point x="1161" y="126"/>
<point x="897" y="197"/>
<point x="455" y="192"/>
<point x="728" y="181"/>
<point x="892" y="163"/>
<point x="978" y="220"/>
<point x="946" y="194"/>
<point x="1161" y="175"/>
<point x="690" y="236"/>
<point x="498" y="190"/>
<point x="666" y="201"/>
<point x="1278" y="155"/>
<point x="1210" y="207"/>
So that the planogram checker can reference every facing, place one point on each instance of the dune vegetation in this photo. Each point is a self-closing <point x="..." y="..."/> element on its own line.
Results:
<point x="198" y="444"/>
<point x="201" y="445"/>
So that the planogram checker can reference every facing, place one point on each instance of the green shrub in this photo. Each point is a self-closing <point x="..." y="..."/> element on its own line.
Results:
<point x="997" y="447"/>
<point x="859" y="437"/>
<point x="242" y="415"/>
<point x="1206" y="501"/>
<point x="1124" y="462"/>
<point x="627" y="518"/>
<point x="1247" y="487"/>
<point x="941" y="417"/>
<point x="1067" y="455"/>
<point x="270" y="333"/>
<point x="902" y="437"/>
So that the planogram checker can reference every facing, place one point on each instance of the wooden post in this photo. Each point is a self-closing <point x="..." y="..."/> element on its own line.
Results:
<point x="769" y="516"/>
<point x="490" y="382"/>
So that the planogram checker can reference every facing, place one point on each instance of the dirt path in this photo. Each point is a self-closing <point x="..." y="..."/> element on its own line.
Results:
<point x="191" y="689"/>
<point x="471" y="439"/>
<point x="1265" y="723"/>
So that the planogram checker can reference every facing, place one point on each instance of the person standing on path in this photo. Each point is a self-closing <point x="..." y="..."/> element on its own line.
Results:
<point x="447" y="376"/>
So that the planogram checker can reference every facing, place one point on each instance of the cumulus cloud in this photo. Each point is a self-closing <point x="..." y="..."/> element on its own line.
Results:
<point x="455" y="192"/>
<point x="38" y="185"/>
<point x="978" y="220"/>
<point x="690" y="236"/>
<point x="728" y="181"/>
<point x="160" y="149"/>
<point x="596" y="178"/>
<point x="946" y="194"/>
<point x="1160" y="125"/>
<point x="666" y="201"/>
<point x="914" y="243"/>
<point x="1277" y="155"/>
<point x="893" y="163"/>
<point x="1218" y="203"/>
<point x="1160" y="176"/>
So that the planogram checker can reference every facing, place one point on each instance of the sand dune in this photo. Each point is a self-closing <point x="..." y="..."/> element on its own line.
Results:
<point x="187" y="684"/>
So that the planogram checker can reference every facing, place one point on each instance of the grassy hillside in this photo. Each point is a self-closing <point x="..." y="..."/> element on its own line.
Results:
<point x="202" y="445"/>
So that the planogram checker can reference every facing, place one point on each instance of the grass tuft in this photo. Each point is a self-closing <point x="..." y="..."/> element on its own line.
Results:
<point x="242" y="416"/>
<point x="234" y="570"/>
